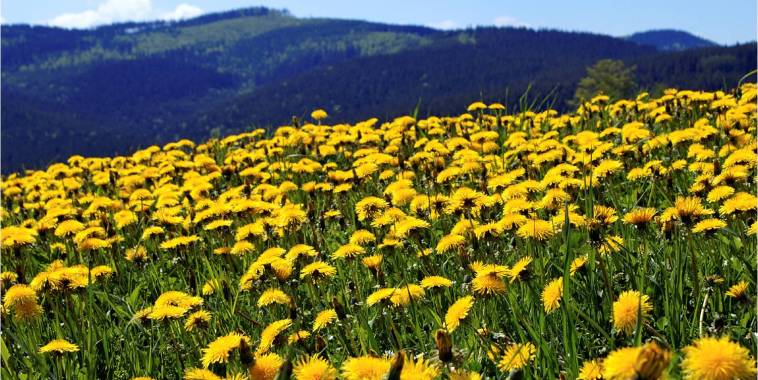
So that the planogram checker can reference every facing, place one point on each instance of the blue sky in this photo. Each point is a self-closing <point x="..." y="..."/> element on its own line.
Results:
<point x="724" y="21"/>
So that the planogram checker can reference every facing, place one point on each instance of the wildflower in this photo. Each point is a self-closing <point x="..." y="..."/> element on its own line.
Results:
<point x="317" y="270"/>
<point x="640" y="217"/>
<point x="314" y="368"/>
<point x="458" y="312"/>
<point x="58" y="346"/>
<point x="551" y="295"/>
<point x="520" y="271"/>
<point x="717" y="359"/>
<point x="323" y="319"/>
<point x="22" y="300"/>
<point x="739" y="202"/>
<point x="369" y="207"/>
<point x="536" y="229"/>
<point x="488" y="283"/>
<point x="365" y="368"/>
<point x="708" y="225"/>
<point x="219" y="350"/>
<point x="620" y="364"/>
<point x="200" y="374"/>
<point x="688" y="208"/>
<point x="266" y="366"/>
<point x="348" y="251"/>
<point x="738" y="291"/>
<point x="198" y="319"/>
<point x="450" y="242"/>
<point x="379" y="296"/>
<point x="419" y="369"/>
<point x="591" y="370"/>
<point x="577" y="264"/>
<point x="429" y="282"/>
<point x="403" y="295"/>
<point x="271" y="296"/>
<point x="517" y="356"/>
<point x="630" y="306"/>
<point x="269" y="334"/>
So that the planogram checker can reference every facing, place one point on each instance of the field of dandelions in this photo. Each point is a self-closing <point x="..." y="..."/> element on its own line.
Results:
<point x="615" y="242"/>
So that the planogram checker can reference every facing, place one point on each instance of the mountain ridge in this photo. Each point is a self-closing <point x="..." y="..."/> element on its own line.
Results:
<point x="168" y="80"/>
<point x="670" y="39"/>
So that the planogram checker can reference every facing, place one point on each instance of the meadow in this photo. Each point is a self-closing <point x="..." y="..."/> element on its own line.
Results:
<point x="614" y="242"/>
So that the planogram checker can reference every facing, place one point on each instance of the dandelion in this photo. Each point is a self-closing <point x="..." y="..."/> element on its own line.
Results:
<point x="629" y="308"/>
<point x="517" y="356"/>
<point x="323" y="319"/>
<point x="419" y="369"/>
<point x="536" y="229"/>
<point x="519" y="271"/>
<point x="270" y="333"/>
<point x="365" y="368"/>
<point x="717" y="359"/>
<point x="457" y="312"/>
<point x="708" y="225"/>
<point x="219" y="350"/>
<point x="266" y="366"/>
<point x="430" y="282"/>
<point x="200" y="374"/>
<point x="272" y="296"/>
<point x="738" y="291"/>
<point x="314" y="368"/>
<point x="198" y="319"/>
<point x="591" y="370"/>
<point x="640" y="217"/>
<point x="620" y="364"/>
<point x="551" y="295"/>
<point x="450" y="242"/>
<point x="58" y="346"/>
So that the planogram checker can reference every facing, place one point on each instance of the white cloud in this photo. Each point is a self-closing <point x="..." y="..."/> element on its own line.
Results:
<point x="509" y="21"/>
<point x="110" y="11"/>
<point x="444" y="25"/>
<point x="181" y="12"/>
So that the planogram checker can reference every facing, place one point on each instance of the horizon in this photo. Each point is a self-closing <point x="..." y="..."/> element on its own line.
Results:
<point x="95" y="13"/>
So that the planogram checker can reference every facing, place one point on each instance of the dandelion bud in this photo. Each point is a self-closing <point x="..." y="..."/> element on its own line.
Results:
<point x="338" y="308"/>
<point x="652" y="361"/>
<point x="397" y="366"/>
<point x="320" y="343"/>
<point x="246" y="355"/>
<point x="444" y="346"/>
<point x="285" y="371"/>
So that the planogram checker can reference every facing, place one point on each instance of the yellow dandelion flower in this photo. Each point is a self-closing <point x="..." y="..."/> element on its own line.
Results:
<point x="323" y="319"/>
<point x="430" y="282"/>
<point x="591" y="370"/>
<point x="58" y="346"/>
<point x="627" y="309"/>
<point x="219" y="350"/>
<point x="551" y="295"/>
<point x="717" y="359"/>
<point x="517" y="356"/>
<point x="314" y="368"/>
<point x="457" y="312"/>
<point x="365" y="368"/>
<point x="266" y="366"/>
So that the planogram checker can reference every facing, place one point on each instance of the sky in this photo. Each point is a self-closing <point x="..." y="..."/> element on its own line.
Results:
<point x="723" y="21"/>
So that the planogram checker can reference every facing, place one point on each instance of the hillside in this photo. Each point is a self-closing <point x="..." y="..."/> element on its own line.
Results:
<point x="670" y="40"/>
<point x="120" y="87"/>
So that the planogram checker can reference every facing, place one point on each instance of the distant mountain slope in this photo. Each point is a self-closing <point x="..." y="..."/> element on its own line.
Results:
<point x="670" y="40"/>
<point x="120" y="87"/>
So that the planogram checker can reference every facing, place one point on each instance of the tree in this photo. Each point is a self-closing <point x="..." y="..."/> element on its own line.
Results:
<point x="609" y="77"/>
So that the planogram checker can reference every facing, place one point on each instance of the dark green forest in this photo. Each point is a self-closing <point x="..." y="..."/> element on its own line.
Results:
<point x="117" y="88"/>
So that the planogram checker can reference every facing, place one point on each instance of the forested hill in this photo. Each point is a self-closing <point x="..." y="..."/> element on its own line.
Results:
<point x="112" y="89"/>
<point x="670" y="40"/>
